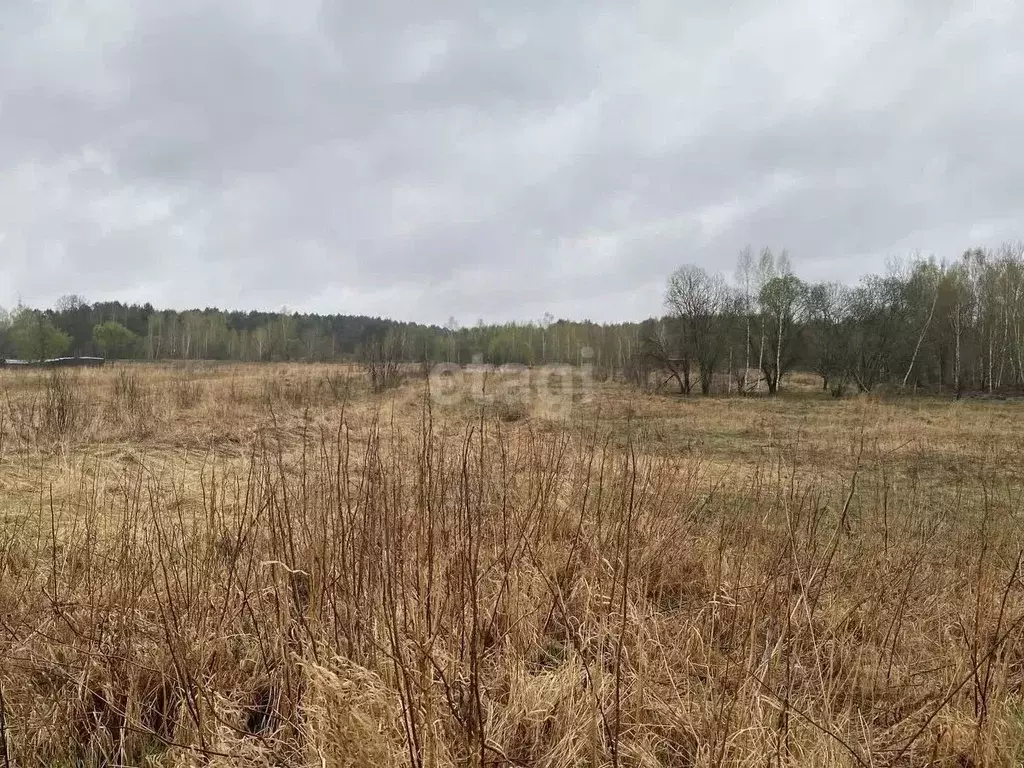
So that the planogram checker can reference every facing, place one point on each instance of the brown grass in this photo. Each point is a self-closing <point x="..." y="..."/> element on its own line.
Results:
<point x="271" y="565"/>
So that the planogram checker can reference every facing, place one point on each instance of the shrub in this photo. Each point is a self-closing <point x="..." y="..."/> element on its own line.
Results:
<point x="188" y="393"/>
<point x="339" y="385"/>
<point x="63" y="410"/>
<point x="131" y="402"/>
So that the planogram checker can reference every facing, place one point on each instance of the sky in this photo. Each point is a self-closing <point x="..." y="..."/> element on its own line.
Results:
<point x="493" y="159"/>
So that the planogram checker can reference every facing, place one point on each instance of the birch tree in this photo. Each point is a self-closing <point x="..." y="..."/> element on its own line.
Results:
<point x="745" y="279"/>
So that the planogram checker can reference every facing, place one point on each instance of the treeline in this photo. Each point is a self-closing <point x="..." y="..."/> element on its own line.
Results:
<point x="953" y="325"/>
<point x="131" y="331"/>
<point x="923" y="323"/>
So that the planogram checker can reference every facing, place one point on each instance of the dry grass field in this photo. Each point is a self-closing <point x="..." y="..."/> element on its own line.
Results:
<point x="230" y="565"/>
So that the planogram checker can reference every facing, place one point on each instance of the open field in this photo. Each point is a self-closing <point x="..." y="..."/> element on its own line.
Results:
<point x="235" y="565"/>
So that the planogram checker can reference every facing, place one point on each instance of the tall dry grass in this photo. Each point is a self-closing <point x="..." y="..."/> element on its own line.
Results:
<point x="377" y="583"/>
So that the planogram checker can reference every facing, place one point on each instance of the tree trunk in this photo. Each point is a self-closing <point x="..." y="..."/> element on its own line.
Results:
<point x="760" y="354"/>
<point x="957" y="382"/>
<point x="991" y="349"/>
<point x="778" y="356"/>
<point x="746" y="353"/>
<point x="920" y="338"/>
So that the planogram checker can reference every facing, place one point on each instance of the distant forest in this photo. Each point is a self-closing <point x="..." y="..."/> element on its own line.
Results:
<point x="954" y="325"/>
<point x="141" y="332"/>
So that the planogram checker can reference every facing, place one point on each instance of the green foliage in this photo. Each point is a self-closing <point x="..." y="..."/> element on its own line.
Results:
<point x="73" y="316"/>
<point x="5" y="324"/>
<point x="925" y="323"/>
<point x="114" y="340"/>
<point x="34" y="336"/>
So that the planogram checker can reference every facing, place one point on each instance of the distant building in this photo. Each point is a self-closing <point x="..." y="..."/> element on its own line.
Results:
<point x="54" y="362"/>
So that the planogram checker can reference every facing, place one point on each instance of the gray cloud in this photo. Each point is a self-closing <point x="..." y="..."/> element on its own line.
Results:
<point x="492" y="160"/>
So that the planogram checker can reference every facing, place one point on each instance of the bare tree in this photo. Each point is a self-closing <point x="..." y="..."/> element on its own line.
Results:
<point x="881" y="313"/>
<point x="827" y="313"/>
<point x="70" y="302"/>
<point x="765" y="274"/>
<point x="745" y="278"/>
<point x="698" y="300"/>
<point x="781" y="301"/>
<point x="932" y="276"/>
<point x="637" y="359"/>
<point x="962" y="311"/>
<point x="660" y="350"/>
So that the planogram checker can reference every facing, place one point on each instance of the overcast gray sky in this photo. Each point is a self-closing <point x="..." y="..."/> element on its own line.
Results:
<point x="491" y="158"/>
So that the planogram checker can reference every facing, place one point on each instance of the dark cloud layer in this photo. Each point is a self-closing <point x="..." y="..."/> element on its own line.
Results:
<point x="492" y="159"/>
